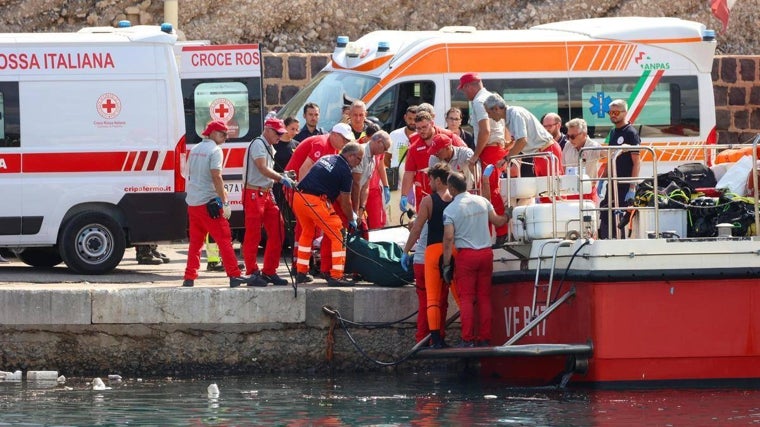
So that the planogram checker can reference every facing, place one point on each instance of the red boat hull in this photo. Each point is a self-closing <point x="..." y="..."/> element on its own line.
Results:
<point x="667" y="330"/>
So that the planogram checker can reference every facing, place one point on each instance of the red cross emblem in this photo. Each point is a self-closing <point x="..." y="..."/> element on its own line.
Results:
<point x="108" y="105"/>
<point x="222" y="109"/>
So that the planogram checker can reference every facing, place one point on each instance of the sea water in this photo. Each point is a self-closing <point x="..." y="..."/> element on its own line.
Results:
<point x="430" y="399"/>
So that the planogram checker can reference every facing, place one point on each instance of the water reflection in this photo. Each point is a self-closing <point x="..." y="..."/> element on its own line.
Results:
<point x="377" y="399"/>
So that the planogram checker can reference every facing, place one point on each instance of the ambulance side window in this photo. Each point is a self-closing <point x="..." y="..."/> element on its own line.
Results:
<point x="672" y="107"/>
<point x="391" y="106"/>
<point x="9" y="115"/>
<point x="539" y="96"/>
<point x="238" y="103"/>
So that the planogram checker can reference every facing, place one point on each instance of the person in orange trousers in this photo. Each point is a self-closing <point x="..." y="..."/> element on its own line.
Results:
<point x="431" y="215"/>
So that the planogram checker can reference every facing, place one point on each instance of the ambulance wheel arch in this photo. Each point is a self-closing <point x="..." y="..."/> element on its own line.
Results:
<point x="92" y="240"/>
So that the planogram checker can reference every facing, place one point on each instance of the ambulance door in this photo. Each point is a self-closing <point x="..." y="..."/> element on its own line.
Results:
<point x="236" y="101"/>
<point x="12" y="221"/>
<point x="389" y="108"/>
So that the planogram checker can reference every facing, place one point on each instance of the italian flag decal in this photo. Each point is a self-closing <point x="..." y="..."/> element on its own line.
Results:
<point x="641" y="93"/>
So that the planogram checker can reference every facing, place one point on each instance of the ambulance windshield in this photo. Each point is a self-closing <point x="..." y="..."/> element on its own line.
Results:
<point x="329" y="90"/>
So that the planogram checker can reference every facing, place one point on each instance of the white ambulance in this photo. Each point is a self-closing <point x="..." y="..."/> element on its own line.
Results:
<point x="223" y="82"/>
<point x="574" y="68"/>
<point x="91" y="145"/>
<point x="70" y="157"/>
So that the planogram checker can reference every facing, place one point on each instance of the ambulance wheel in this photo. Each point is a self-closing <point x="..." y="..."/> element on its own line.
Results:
<point x="40" y="257"/>
<point x="92" y="243"/>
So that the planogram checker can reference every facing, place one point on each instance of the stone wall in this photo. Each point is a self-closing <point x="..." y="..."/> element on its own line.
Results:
<point x="736" y="80"/>
<point x="309" y="26"/>
<point x="737" y="97"/>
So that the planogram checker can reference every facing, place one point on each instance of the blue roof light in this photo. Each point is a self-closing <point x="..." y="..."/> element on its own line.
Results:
<point x="342" y="41"/>
<point x="383" y="46"/>
<point x="167" y="27"/>
<point x="124" y="24"/>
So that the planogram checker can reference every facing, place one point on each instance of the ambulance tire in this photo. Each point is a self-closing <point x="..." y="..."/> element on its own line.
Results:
<point x="92" y="243"/>
<point x="40" y="257"/>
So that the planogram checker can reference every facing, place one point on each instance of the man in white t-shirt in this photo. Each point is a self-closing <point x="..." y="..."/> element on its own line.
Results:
<point x="400" y="138"/>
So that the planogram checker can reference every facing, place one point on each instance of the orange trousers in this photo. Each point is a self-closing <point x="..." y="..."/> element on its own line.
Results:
<point x="314" y="211"/>
<point x="435" y="288"/>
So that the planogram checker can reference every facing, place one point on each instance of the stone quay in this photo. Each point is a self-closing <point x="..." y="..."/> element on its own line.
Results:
<point x="139" y="321"/>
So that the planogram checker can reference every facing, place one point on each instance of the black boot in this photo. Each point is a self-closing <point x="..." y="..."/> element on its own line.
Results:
<point x="436" y="341"/>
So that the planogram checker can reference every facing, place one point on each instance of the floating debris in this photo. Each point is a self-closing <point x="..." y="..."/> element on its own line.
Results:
<point x="98" y="384"/>
<point x="10" y="376"/>
<point x="61" y="379"/>
<point x="41" y="375"/>
<point x="213" y="391"/>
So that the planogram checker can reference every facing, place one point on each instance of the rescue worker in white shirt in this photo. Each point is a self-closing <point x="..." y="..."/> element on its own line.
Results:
<point x="378" y="143"/>
<point x="490" y="143"/>
<point x="379" y="191"/>
<point x="259" y="205"/>
<point x="208" y="208"/>
<point x="466" y="227"/>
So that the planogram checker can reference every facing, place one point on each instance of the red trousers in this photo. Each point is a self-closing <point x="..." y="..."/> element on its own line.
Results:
<point x="219" y="228"/>
<point x="541" y="164"/>
<point x="472" y="273"/>
<point x="261" y="210"/>
<point x="490" y="156"/>
<point x="376" y="217"/>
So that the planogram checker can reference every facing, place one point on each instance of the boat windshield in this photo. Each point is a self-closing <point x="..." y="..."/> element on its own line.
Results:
<point x="328" y="89"/>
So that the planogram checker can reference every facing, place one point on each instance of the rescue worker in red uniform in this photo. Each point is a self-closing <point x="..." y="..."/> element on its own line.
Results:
<point x="417" y="158"/>
<point x="326" y="186"/>
<point x="259" y="205"/>
<point x="208" y="208"/>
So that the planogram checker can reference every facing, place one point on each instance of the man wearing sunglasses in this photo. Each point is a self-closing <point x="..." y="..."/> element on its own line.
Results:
<point x="627" y="165"/>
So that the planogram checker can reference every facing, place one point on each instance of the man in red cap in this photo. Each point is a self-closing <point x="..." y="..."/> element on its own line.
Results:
<point x="442" y="150"/>
<point x="259" y="205"/>
<point x="490" y="146"/>
<point x="208" y="209"/>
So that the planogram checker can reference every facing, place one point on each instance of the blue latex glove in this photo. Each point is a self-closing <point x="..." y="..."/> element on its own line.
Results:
<point x="406" y="261"/>
<point x="287" y="182"/>
<point x="403" y="204"/>
<point x="488" y="171"/>
<point x="601" y="189"/>
<point x="352" y="225"/>
<point x="386" y="195"/>
<point x="630" y="195"/>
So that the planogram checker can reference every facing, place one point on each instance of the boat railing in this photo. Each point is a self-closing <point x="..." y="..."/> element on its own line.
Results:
<point x="555" y="188"/>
